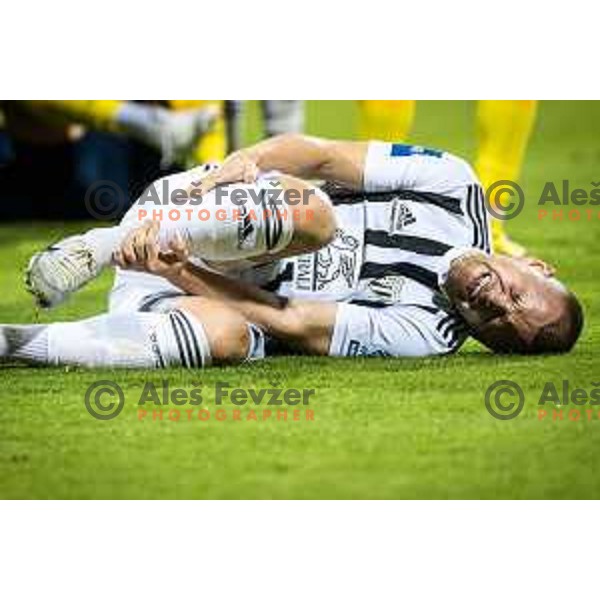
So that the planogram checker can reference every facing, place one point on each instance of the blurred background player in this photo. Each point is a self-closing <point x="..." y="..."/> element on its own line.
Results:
<point x="67" y="146"/>
<point x="386" y="120"/>
<point x="503" y="131"/>
<point x="279" y="116"/>
<point x="282" y="116"/>
<point x="212" y="145"/>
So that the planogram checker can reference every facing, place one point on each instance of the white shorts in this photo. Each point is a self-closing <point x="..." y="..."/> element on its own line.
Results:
<point x="141" y="292"/>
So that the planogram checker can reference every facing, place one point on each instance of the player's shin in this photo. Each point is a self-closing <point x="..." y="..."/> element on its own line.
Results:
<point x="236" y="222"/>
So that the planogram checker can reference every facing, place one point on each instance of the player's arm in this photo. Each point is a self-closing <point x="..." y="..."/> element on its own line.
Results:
<point x="305" y="324"/>
<point x="370" y="166"/>
<point x="308" y="325"/>
<point x="298" y="155"/>
<point x="321" y="328"/>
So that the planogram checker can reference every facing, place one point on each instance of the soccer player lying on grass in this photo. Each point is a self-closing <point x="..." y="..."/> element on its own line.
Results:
<point x="397" y="263"/>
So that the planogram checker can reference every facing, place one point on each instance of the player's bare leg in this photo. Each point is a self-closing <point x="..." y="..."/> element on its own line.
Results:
<point x="172" y="133"/>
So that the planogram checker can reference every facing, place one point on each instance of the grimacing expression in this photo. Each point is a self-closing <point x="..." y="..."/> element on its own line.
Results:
<point x="514" y="304"/>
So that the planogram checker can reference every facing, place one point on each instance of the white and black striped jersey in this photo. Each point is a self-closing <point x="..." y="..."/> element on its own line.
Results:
<point x="418" y="210"/>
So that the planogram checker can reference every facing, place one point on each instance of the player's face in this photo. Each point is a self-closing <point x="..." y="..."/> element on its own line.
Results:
<point x="505" y="300"/>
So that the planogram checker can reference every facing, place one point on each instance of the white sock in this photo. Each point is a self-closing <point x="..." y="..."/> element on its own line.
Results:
<point x="104" y="241"/>
<point x="24" y="342"/>
<point x="144" y="340"/>
<point x="246" y="231"/>
<point x="257" y="227"/>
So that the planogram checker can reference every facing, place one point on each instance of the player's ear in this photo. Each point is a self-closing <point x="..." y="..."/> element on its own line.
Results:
<point x="543" y="267"/>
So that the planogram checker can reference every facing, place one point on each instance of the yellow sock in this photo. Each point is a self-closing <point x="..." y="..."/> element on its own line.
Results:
<point x="97" y="114"/>
<point x="213" y="145"/>
<point x="504" y="128"/>
<point x="387" y="120"/>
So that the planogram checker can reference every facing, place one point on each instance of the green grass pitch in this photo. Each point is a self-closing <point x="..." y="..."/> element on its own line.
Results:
<point x="382" y="428"/>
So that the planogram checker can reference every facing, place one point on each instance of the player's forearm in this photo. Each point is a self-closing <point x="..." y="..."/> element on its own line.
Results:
<point x="307" y="324"/>
<point x="311" y="158"/>
<point x="271" y="312"/>
<point x="201" y="282"/>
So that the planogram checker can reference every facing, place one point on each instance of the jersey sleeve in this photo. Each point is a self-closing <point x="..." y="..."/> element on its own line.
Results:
<point x="391" y="167"/>
<point x="399" y="331"/>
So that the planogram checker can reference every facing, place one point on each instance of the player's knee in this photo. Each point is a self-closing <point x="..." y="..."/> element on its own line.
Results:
<point x="229" y="338"/>
<point x="317" y="228"/>
<point x="226" y="330"/>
